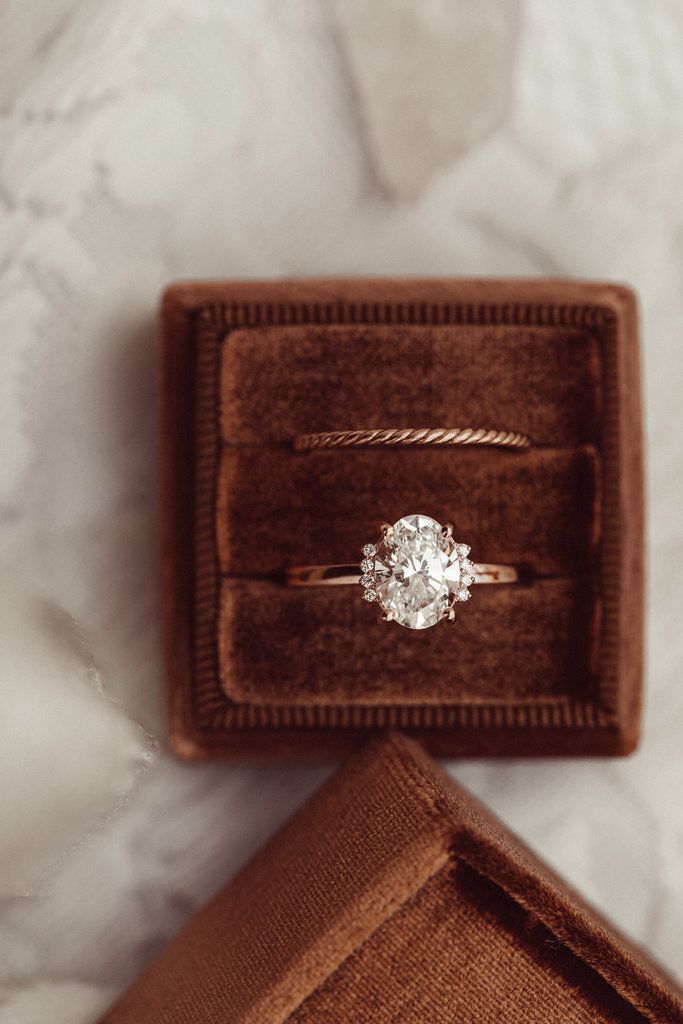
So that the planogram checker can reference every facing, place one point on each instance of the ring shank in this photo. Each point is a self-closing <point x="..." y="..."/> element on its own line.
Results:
<point x="346" y="575"/>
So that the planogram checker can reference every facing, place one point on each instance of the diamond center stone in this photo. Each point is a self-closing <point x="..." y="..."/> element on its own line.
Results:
<point x="417" y="572"/>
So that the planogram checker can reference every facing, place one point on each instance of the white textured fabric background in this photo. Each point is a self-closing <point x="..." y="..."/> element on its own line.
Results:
<point x="143" y="142"/>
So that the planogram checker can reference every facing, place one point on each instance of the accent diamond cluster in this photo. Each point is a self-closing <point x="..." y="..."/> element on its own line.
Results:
<point x="417" y="572"/>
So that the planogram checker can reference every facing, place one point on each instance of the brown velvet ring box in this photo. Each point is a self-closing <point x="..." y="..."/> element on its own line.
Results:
<point x="551" y="666"/>
<point x="394" y="897"/>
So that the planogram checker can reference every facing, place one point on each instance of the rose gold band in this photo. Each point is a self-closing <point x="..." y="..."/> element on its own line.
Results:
<point x="400" y="436"/>
<point x="343" y="575"/>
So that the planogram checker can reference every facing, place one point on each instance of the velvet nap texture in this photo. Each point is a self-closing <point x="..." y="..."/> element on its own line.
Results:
<point x="553" y="665"/>
<point x="393" y="896"/>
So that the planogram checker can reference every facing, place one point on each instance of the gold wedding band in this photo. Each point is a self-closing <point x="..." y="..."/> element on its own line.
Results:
<point x="403" y="436"/>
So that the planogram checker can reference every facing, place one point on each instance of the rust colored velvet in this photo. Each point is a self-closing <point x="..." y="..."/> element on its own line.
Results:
<point x="275" y="644"/>
<point x="257" y="669"/>
<point x="538" y="508"/>
<point x="279" y="381"/>
<point x="410" y="904"/>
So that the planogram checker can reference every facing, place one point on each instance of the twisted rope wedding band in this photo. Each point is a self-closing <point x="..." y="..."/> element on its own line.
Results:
<point x="400" y="436"/>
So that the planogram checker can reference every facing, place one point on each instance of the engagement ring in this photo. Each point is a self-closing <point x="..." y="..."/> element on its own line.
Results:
<point x="417" y="573"/>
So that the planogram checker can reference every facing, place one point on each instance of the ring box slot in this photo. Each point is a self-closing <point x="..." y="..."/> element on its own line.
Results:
<point x="537" y="508"/>
<point x="543" y="380"/>
<point x="551" y="665"/>
<point x="275" y="643"/>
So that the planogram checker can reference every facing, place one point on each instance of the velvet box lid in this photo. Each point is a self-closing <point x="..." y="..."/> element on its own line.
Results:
<point x="260" y="669"/>
<point x="393" y="896"/>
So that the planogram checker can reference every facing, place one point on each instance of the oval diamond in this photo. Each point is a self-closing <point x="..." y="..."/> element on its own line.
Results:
<point x="417" y="572"/>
